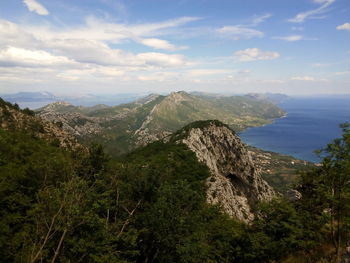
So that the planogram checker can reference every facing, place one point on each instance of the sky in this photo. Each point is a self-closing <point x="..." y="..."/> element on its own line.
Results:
<point x="296" y="47"/>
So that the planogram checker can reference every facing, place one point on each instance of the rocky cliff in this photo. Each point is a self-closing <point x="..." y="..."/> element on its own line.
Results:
<point x="235" y="183"/>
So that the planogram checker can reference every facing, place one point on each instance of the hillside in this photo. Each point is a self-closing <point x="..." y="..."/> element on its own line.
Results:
<point x="73" y="205"/>
<point x="187" y="198"/>
<point x="125" y="127"/>
<point x="14" y="119"/>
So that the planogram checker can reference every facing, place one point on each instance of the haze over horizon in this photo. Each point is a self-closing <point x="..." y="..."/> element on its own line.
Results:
<point x="109" y="47"/>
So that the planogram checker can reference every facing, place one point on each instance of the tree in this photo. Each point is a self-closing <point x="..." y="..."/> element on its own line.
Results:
<point x="336" y="176"/>
<point x="326" y="191"/>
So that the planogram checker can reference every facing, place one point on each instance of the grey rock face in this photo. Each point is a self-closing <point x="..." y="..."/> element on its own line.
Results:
<point x="293" y="195"/>
<point x="235" y="183"/>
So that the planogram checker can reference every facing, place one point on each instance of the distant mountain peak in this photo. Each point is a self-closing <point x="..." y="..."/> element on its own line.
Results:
<point x="178" y="96"/>
<point x="61" y="103"/>
<point x="57" y="104"/>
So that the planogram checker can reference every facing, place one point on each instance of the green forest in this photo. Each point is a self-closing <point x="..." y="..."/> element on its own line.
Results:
<point x="81" y="205"/>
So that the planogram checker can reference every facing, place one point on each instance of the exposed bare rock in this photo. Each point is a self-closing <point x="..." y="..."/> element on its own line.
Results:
<point x="293" y="195"/>
<point x="235" y="183"/>
<point x="147" y="99"/>
<point x="74" y="123"/>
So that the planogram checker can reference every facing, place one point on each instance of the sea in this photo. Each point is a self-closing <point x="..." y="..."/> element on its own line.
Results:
<point x="310" y="124"/>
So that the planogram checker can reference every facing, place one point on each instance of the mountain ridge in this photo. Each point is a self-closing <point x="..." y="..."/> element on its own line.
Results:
<point x="124" y="127"/>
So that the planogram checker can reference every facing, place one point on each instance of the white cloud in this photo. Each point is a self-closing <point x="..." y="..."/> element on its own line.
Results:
<point x="13" y="56"/>
<point x="314" y="13"/>
<point x="273" y="81"/>
<point x="206" y="72"/>
<point x="239" y="32"/>
<point x="291" y="38"/>
<point x="246" y="31"/>
<point x="99" y="53"/>
<point x="162" y="60"/>
<point x="160" y="44"/>
<point x="154" y="28"/>
<point x="114" y="33"/>
<point x="92" y="52"/>
<point x="160" y="76"/>
<point x="252" y="54"/>
<point x="88" y="44"/>
<point x="35" y="6"/>
<point x="259" y="19"/>
<point x="297" y="28"/>
<point x="345" y="26"/>
<point x="12" y="35"/>
<point x="341" y="73"/>
<point x="320" y="65"/>
<point x="309" y="79"/>
<point x="303" y="78"/>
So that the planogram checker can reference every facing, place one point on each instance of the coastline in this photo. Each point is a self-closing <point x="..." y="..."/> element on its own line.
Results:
<point x="302" y="130"/>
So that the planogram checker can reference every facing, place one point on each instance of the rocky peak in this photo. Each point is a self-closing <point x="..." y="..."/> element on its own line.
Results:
<point x="56" y="107"/>
<point x="235" y="183"/>
<point x="178" y="97"/>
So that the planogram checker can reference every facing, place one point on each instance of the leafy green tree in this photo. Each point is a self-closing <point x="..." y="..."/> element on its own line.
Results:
<point x="275" y="233"/>
<point x="326" y="194"/>
<point x="335" y="173"/>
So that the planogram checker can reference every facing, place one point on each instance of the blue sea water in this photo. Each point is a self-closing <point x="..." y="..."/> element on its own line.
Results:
<point x="310" y="124"/>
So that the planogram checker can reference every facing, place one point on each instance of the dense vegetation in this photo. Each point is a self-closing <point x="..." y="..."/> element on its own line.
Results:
<point x="59" y="205"/>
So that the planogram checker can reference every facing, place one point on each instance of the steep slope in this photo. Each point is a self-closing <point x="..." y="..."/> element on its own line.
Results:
<point x="235" y="183"/>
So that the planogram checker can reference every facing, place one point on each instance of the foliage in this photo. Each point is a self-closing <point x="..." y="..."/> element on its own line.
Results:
<point x="63" y="206"/>
<point x="327" y="190"/>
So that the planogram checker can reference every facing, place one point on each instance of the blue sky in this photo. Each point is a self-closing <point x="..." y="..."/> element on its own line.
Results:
<point x="227" y="46"/>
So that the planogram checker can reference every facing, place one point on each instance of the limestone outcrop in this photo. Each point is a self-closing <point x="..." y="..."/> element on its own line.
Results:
<point x="235" y="184"/>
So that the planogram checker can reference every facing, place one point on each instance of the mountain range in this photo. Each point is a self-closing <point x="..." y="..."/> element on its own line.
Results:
<point x="235" y="183"/>
<point x="195" y="187"/>
<point x="124" y="127"/>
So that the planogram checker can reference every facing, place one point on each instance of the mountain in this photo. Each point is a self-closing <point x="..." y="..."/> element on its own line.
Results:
<point x="34" y="100"/>
<point x="30" y="97"/>
<point x="194" y="196"/>
<point x="124" y="127"/>
<point x="14" y="119"/>
<point x="120" y="129"/>
<point x="271" y="97"/>
<point x="235" y="183"/>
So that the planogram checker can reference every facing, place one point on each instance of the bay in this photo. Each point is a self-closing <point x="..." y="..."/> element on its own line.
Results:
<point x="310" y="124"/>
